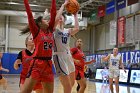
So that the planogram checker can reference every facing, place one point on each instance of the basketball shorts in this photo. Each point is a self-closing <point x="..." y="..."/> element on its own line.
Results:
<point x="41" y="70"/>
<point x="113" y="73"/>
<point x="64" y="63"/>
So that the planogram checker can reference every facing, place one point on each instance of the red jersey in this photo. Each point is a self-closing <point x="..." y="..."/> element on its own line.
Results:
<point x="26" y="60"/>
<point x="78" y="55"/>
<point x="43" y="44"/>
<point x="43" y="40"/>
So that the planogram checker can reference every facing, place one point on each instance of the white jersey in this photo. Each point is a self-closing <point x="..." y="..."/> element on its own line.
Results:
<point x="114" y="61"/>
<point x="62" y="57"/>
<point x="62" y="40"/>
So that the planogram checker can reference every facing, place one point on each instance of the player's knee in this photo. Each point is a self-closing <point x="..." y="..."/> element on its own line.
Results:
<point x="116" y="83"/>
<point x="67" y="86"/>
<point x="72" y="83"/>
<point x="111" y="83"/>
<point x="26" y="90"/>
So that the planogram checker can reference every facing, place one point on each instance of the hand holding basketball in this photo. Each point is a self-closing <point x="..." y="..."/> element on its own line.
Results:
<point x="72" y="6"/>
<point x="66" y="2"/>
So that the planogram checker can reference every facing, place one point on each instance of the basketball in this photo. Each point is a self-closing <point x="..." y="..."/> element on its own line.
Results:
<point x="72" y="7"/>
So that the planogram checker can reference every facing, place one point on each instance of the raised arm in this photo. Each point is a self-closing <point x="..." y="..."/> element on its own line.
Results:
<point x="32" y="24"/>
<point x="106" y="58"/>
<point x="74" y="30"/>
<point x="59" y="13"/>
<point x="53" y="15"/>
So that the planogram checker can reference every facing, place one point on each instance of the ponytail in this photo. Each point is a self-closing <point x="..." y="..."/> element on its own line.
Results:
<point x="26" y="30"/>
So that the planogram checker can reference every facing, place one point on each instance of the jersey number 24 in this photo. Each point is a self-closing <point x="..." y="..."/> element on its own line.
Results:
<point x="47" y="45"/>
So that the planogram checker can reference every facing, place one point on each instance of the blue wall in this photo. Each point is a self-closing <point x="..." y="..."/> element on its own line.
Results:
<point x="8" y="60"/>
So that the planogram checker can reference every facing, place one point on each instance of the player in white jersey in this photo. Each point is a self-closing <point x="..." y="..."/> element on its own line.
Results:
<point x="115" y="60"/>
<point x="63" y="60"/>
<point x="104" y="74"/>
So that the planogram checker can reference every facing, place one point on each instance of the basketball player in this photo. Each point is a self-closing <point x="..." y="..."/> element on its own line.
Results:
<point x="41" y="67"/>
<point x="25" y="58"/>
<point x="3" y="81"/>
<point x="79" y="61"/>
<point x="104" y="74"/>
<point x="62" y="57"/>
<point x="115" y="60"/>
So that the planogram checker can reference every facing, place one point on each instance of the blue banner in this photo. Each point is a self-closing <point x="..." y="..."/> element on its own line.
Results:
<point x="132" y="56"/>
<point x="110" y="7"/>
<point x="120" y="4"/>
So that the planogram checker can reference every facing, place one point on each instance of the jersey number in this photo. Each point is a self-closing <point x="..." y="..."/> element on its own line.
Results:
<point x="64" y="40"/>
<point x="114" y="63"/>
<point x="47" y="45"/>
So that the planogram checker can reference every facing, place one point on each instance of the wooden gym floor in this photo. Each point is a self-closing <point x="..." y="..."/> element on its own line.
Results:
<point x="92" y="87"/>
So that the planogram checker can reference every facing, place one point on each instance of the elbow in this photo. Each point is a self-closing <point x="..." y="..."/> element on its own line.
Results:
<point x="15" y="68"/>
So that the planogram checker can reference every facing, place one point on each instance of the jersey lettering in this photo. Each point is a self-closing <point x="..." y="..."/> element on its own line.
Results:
<point x="64" y="40"/>
<point x="47" y="45"/>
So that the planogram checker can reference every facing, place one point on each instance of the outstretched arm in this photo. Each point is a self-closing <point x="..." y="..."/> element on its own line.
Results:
<point x="6" y="70"/>
<point x="90" y="62"/>
<point x="59" y="13"/>
<point x="106" y="58"/>
<point x="18" y="61"/>
<point x="53" y="15"/>
<point x="16" y="64"/>
<point x="32" y="24"/>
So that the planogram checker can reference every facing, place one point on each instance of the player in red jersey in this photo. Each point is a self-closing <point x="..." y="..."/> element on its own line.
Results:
<point x="41" y="67"/>
<point x="25" y="58"/>
<point x="79" y="61"/>
<point x="3" y="81"/>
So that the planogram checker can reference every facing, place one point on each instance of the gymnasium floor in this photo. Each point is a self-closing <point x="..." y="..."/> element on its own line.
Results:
<point x="92" y="87"/>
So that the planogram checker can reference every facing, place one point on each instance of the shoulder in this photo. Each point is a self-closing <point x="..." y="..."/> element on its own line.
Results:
<point x="74" y="49"/>
<point x="21" y="51"/>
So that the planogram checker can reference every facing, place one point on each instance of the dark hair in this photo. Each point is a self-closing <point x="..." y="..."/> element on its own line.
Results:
<point x="26" y="30"/>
